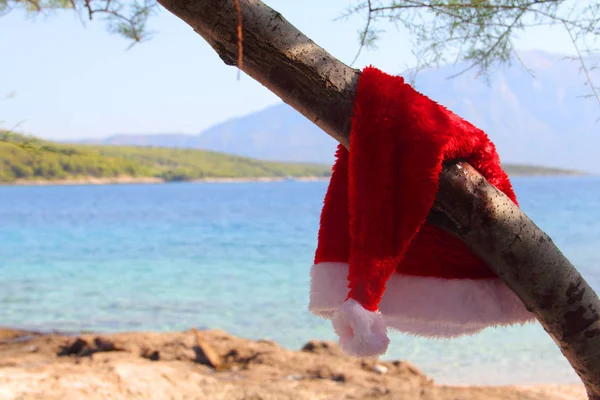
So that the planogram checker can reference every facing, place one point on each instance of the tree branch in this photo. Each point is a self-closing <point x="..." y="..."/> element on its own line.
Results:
<point x="584" y="67"/>
<point x="125" y="18"/>
<point x="527" y="260"/>
<point x="278" y="56"/>
<point x="487" y="27"/>
<point x="364" y="35"/>
<point x="322" y="88"/>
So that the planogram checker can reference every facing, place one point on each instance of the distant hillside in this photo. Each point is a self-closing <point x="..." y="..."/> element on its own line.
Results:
<point x="541" y="120"/>
<point x="23" y="158"/>
<point x="533" y="170"/>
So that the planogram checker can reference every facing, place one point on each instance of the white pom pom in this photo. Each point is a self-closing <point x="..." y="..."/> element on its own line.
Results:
<point x="362" y="333"/>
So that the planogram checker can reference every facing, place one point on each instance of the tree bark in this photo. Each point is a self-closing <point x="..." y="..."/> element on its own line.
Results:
<point x="322" y="88"/>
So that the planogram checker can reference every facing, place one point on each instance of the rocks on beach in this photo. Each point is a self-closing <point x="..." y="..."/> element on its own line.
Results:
<point x="215" y="365"/>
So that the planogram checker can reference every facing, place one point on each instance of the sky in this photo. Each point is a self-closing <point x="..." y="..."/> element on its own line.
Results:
<point x="73" y="81"/>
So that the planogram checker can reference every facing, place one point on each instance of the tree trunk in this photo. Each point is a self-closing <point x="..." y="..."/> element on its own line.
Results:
<point x="322" y="88"/>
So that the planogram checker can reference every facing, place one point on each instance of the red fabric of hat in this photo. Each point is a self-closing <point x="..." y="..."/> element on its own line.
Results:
<point x="378" y="264"/>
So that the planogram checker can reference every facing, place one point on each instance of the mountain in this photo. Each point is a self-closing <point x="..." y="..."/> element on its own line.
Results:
<point x="277" y="133"/>
<point x="177" y="140"/>
<point x="540" y="119"/>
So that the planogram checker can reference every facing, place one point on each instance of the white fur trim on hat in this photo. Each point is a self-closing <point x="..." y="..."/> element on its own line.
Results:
<point x="328" y="288"/>
<point x="425" y="306"/>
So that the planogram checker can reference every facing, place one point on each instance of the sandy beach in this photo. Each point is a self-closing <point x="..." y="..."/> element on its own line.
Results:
<point x="216" y="365"/>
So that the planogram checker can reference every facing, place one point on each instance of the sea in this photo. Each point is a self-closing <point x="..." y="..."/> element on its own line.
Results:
<point x="236" y="256"/>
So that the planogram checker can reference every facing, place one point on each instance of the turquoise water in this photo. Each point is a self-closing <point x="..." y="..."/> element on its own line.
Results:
<point x="237" y="257"/>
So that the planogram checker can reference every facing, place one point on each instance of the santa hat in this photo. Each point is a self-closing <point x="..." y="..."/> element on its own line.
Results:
<point x="378" y="264"/>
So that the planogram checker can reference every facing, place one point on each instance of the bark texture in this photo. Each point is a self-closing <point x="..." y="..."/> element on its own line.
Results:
<point x="322" y="88"/>
<point x="278" y="56"/>
<point x="527" y="260"/>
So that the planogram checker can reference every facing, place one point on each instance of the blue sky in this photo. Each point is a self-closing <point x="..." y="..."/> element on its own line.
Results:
<point x="73" y="81"/>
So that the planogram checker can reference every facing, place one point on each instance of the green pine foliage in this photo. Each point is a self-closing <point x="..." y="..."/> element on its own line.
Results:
<point x="25" y="158"/>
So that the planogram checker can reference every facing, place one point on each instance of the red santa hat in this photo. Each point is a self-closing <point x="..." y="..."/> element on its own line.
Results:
<point x="378" y="264"/>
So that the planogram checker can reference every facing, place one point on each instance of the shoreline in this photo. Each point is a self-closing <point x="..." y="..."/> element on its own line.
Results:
<point x="213" y="364"/>
<point x="127" y="180"/>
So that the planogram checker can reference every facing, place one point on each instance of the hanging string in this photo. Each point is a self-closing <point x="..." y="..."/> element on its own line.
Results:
<point x="239" y="36"/>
